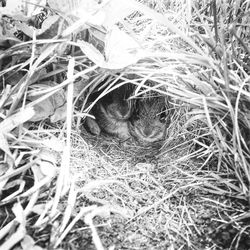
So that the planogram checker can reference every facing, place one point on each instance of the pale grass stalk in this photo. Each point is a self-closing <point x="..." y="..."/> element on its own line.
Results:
<point x="238" y="237"/>
<point x="37" y="186"/>
<point x="227" y="182"/>
<point x="62" y="181"/>
<point x="242" y="158"/>
<point x="70" y="206"/>
<point x="42" y="218"/>
<point x="83" y="211"/>
<point x="187" y="210"/>
<point x="192" y="176"/>
<point x="217" y="203"/>
<point x="32" y="202"/>
<point x="210" y="125"/>
<point x="7" y="228"/>
<point x="183" y="221"/>
<point x="13" y="172"/>
<point x="15" y="238"/>
<point x="214" y="189"/>
<point x="210" y="156"/>
<point x="22" y="91"/>
<point x="14" y="194"/>
<point x="163" y="20"/>
<point x="17" y="119"/>
<point x="89" y="220"/>
<point x="4" y="96"/>
<point x="20" y="230"/>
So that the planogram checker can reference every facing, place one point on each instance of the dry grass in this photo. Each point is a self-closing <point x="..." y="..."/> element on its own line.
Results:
<point x="62" y="188"/>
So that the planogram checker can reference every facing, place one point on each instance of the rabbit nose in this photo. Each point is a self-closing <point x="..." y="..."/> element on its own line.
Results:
<point x="146" y="132"/>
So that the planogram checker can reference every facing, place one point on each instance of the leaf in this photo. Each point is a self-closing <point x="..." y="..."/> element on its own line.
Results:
<point x="121" y="50"/>
<point x="21" y="9"/>
<point x="7" y="29"/>
<point x="92" y="53"/>
<point x="74" y="7"/>
<point x="25" y="28"/>
<point x="48" y="162"/>
<point x="54" y="106"/>
<point x="49" y="24"/>
<point x="35" y="7"/>
<point x="105" y="15"/>
<point x="116" y="10"/>
<point x="13" y="7"/>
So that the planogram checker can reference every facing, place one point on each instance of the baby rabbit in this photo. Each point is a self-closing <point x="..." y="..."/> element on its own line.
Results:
<point x="148" y="123"/>
<point x="112" y="113"/>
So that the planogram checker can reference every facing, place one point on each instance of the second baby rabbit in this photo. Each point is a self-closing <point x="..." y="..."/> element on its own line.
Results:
<point x="148" y="123"/>
<point x="112" y="113"/>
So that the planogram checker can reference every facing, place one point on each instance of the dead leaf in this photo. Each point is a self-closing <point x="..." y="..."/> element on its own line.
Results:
<point x="54" y="107"/>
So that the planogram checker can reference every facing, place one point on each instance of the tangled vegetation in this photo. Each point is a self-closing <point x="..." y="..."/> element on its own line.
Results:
<point x="64" y="188"/>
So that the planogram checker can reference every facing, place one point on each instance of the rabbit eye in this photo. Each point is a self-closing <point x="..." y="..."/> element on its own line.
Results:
<point x="136" y="117"/>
